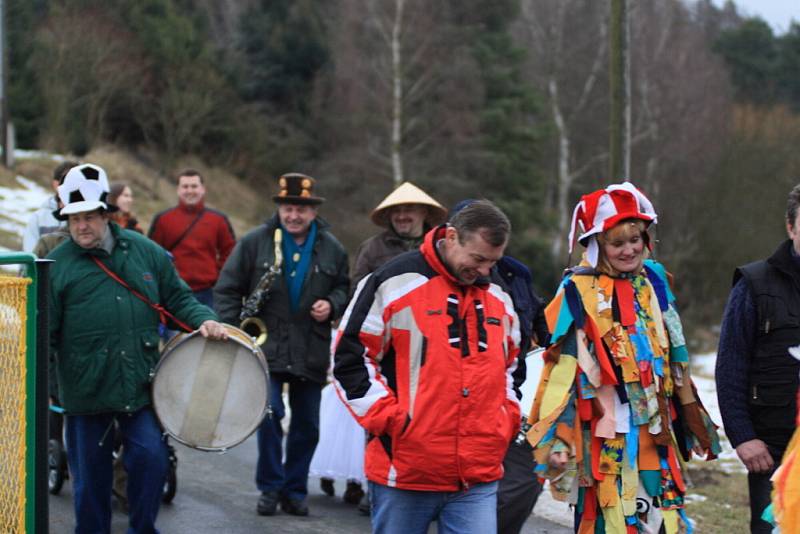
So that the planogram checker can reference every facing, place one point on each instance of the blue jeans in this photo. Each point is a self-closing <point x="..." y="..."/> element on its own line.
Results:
<point x="90" y="440"/>
<point x="288" y="477"/>
<point x="397" y="511"/>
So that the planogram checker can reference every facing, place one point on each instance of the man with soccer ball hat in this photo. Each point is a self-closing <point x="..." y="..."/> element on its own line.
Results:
<point x="105" y="341"/>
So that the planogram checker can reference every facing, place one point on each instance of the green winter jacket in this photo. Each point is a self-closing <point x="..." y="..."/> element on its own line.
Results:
<point x="105" y="339"/>
<point x="296" y="343"/>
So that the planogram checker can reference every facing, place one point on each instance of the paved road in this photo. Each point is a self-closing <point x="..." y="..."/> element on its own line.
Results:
<point x="216" y="494"/>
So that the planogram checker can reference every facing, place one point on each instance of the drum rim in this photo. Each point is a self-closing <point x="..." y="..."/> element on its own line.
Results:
<point x="173" y="344"/>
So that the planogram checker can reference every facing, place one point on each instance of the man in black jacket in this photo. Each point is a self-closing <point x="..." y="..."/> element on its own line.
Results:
<point x="757" y="379"/>
<point x="302" y="302"/>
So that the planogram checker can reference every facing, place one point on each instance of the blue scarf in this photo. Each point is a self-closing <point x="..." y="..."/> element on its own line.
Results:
<point x="296" y="261"/>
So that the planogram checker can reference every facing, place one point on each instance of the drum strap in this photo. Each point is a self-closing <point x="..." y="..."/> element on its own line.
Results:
<point x="186" y="232"/>
<point x="163" y="314"/>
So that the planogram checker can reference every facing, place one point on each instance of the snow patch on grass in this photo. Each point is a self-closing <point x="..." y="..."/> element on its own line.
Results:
<point x="17" y="204"/>
<point x="703" y="376"/>
<point x="694" y="497"/>
<point x="37" y="154"/>
<point x="552" y="510"/>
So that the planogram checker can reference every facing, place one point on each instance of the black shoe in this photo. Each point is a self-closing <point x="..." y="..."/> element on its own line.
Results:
<point x="326" y="485"/>
<point x="267" y="503"/>
<point x="294" y="506"/>
<point x="364" y="506"/>
<point x="353" y="493"/>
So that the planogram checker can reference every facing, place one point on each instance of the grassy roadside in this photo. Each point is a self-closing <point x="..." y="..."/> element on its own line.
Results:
<point x="153" y="191"/>
<point x="718" y="501"/>
<point x="717" y="496"/>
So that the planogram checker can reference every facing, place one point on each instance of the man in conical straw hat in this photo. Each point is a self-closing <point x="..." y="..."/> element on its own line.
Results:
<point x="406" y="214"/>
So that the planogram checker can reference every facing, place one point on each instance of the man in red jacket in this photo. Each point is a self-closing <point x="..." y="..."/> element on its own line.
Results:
<point x="424" y="359"/>
<point x="199" y="238"/>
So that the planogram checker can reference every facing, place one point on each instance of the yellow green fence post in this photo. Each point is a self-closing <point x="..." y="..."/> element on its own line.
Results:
<point x="23" y="395"/>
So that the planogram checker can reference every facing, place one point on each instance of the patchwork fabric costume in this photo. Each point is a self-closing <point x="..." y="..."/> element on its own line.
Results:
<point x="615" y="393"/>
<point x="785" y="508"/>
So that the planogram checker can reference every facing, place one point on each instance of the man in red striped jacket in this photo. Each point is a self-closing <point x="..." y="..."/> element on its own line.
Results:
<point x="424" y="358"/>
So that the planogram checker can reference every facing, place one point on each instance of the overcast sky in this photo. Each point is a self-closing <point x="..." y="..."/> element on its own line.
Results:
<point x="778" y="13"/>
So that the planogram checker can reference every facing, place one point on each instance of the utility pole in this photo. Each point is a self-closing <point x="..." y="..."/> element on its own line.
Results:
<point x="620" y="91"/>
<point x="4" y="122"/>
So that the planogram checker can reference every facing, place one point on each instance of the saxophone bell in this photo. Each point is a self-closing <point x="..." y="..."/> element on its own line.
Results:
<point x="255" y="328"/>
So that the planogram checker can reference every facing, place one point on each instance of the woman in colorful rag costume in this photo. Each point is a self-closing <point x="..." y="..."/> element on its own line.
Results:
<point x="616" y="413"/>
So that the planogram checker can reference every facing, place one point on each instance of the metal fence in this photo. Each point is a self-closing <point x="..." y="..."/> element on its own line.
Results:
<point x="23" y="395"/>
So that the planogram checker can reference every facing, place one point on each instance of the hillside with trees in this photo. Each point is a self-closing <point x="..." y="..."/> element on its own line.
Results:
<point x="504" y="99"/>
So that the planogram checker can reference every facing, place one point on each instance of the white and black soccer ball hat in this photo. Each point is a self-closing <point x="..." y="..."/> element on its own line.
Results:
<point x="85" y="188"/>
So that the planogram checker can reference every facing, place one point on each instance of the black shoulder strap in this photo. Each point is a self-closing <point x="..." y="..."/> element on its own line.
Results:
<point x="186" y="232"/>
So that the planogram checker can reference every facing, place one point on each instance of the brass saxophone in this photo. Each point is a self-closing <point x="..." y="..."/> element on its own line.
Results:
<point x="250" y="324"/>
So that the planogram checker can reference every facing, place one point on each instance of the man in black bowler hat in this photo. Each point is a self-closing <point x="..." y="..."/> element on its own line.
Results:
<point x="301" y="303"/>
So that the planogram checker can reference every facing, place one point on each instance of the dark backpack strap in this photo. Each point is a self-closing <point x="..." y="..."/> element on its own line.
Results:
<point x="163" y="314"/>
<point x="186" y="232"/>
<point x="581" y="270"/>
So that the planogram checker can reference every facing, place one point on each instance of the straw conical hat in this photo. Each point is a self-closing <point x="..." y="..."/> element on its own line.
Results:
<point x="409" y="193"/>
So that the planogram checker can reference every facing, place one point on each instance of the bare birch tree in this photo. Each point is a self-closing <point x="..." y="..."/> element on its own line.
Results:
<point x="678" y="98"/>
<point x="681" y="106"/>
<point x="559" y="65"/>
<point x="400" y="87"/>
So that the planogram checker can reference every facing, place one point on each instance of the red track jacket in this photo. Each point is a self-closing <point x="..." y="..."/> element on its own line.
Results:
<point x="200" y="255"/>
<point x="424" y="364"/>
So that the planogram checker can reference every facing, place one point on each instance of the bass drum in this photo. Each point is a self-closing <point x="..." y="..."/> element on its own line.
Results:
<point x="211" y="395"/>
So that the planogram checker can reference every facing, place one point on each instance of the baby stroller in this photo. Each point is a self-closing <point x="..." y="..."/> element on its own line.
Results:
<point x="58" y="472"/>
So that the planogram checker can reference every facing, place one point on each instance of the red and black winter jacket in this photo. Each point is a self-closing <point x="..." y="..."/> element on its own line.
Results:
<point x="425" y="364"/>
<point x="201" y="253"/>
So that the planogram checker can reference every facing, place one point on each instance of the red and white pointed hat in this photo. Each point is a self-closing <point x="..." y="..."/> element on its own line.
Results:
<point x="605" y="208"/>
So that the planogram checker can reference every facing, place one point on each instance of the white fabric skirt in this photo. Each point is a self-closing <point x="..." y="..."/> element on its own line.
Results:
<point x="340" y="451"/>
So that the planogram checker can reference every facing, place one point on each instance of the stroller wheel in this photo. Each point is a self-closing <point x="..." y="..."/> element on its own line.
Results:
<point x="171" y="484"/>
<point x="170" y="487"/>
<point x="56" y="466"/>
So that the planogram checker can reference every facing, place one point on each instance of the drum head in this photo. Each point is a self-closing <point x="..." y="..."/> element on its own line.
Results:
<point x="211" y="395"/>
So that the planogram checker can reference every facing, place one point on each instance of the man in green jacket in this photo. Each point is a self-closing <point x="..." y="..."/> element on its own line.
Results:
<point x="106" y="344"/>
<point x="302" y="302"/>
